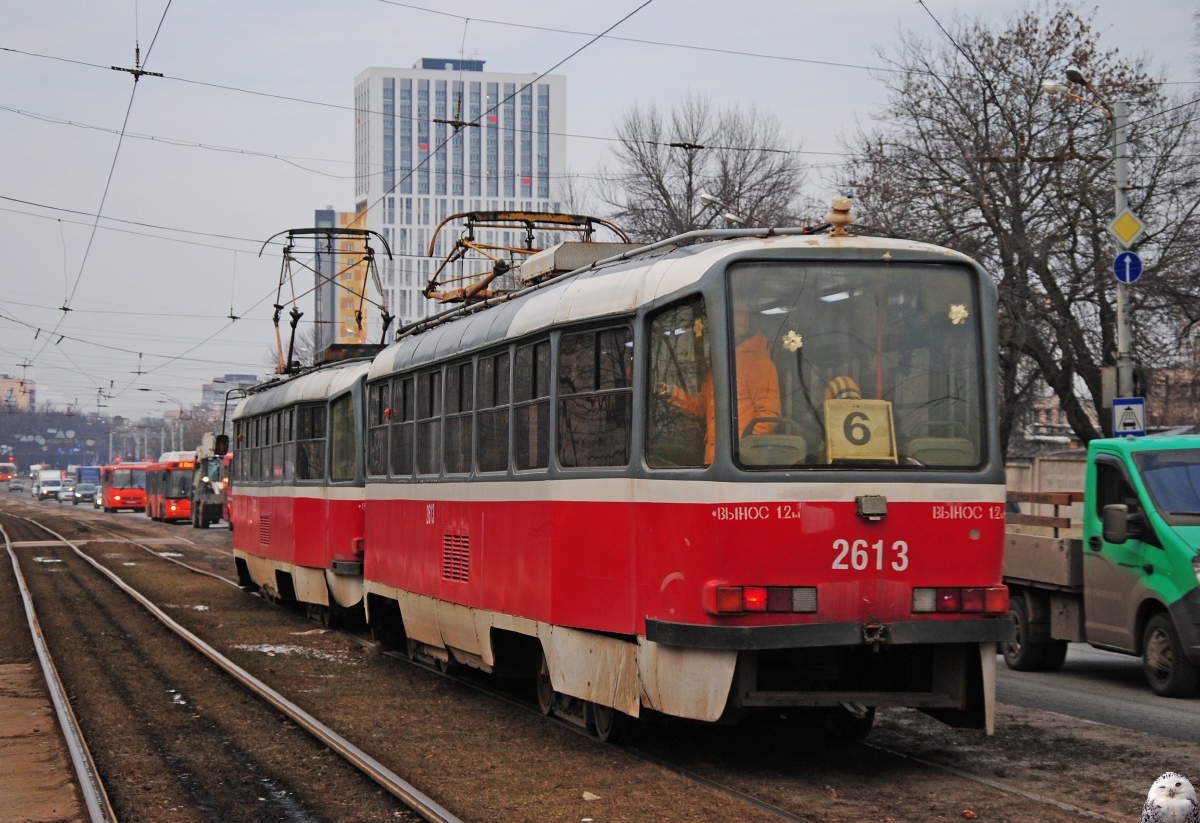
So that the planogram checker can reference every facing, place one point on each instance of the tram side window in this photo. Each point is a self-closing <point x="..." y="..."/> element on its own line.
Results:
<point x="278" y="439"/>
<point x="239" y="444"/>
<point x="429" y="422"/>
<point x="378" y="413"/>
<point x="458" y="404"/>
<point x="679" y="426"/>
<point x="344" y="451"/>
<point x="491" y="422"/>
<point x="287" y="434"/>
<point x="267" y="439"/>
<point x="531" y="407"/>
<point x="310" y="443"/>
<point x="255" y="451"/>
<point x="595" y="398"/>
<point x="403" y="417"/>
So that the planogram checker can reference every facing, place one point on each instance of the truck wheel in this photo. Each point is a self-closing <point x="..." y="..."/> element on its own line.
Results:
<point x="1167" y="669"/>
<point x="1054" y="654"/>
<point x="1019" y="654"/>
<point x="203" y="520"/>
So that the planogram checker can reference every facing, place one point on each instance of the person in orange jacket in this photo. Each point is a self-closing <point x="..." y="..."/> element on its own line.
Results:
<point x="757" y="386"/>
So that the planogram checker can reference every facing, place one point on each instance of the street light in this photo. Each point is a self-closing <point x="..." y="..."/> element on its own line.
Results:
<point x="1118" y="114"/>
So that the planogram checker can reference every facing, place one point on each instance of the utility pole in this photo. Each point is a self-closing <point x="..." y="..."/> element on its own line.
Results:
<point x="1120" y="116"/>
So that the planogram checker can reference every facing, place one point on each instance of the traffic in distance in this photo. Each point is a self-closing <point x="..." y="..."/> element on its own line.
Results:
<point x="754" y="475"/>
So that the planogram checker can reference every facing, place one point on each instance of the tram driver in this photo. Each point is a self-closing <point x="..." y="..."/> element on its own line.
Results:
<point x="757" y="387"/>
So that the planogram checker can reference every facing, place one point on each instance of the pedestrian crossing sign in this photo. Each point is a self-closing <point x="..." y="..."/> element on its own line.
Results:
<point x="1129" y="416"/>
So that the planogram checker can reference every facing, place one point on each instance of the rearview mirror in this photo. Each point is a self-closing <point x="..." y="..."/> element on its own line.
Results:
<point x="1116" y="523"/>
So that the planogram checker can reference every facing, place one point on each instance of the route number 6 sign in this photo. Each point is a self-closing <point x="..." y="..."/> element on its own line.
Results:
<point x="859" y="430"/>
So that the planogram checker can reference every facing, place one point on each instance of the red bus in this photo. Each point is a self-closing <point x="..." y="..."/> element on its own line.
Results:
<point x="7" y="471"/>
<point x="169" y="489"/>
<point x="123" y="486"/>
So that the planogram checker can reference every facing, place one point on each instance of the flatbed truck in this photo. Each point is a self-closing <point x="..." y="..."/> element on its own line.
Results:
<point x="1131" y="583"/>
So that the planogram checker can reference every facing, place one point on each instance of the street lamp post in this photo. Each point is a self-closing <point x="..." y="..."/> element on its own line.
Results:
<point x="1118" y="115"/>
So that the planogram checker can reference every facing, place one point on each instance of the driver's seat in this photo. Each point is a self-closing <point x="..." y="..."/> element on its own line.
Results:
<point x="772" y="449"/>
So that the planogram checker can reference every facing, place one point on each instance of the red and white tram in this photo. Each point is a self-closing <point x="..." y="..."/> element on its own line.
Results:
<point x="297" y="514"/>
<point x="758" y="473"/>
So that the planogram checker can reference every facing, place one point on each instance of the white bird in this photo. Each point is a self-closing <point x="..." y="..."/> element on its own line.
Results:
<point x="1171" y="800"/>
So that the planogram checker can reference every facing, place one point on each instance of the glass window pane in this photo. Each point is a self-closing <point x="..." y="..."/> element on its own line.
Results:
<point x="377" y="450"/>
<point x="532" y="437"/>
<point x="402" y="449"/>
<point x="614" y="359"/>
<point x="679" y="425"/>
<point x="492" y="429"/>
<point x="458" y="444"/>
<point x="485" y="393"/>
<point x="523" y="377"/>
<point x="577" y="363"/>
<point x="502" y="369"/>
<point x="593" y="430"/>
<point x="343" y="460"/>
<point x="542" y="369"/>
<point x="429" y="446"/>
<point x="880" y="361"/>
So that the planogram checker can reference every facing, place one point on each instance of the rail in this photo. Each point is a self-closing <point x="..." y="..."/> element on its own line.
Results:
<point x="99" y="808"/>
<point x="403" y="791"/>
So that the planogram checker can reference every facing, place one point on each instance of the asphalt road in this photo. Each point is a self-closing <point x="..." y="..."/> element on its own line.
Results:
<point x="1104" y="687"/>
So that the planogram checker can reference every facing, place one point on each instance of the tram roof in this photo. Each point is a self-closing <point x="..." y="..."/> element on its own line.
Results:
<point x="315" y="385"/>
<point x="623" y="287"/>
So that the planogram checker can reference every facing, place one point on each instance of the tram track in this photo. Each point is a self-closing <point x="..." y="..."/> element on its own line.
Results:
<point x="266" y="785"/>
<point x="712" y="778"/>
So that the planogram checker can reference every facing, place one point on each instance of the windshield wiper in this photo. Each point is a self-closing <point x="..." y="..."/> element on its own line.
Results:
<point x="1184" y="514"/>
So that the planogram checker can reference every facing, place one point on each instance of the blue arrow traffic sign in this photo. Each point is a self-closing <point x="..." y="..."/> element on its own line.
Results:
<point x="1127" y="267"/>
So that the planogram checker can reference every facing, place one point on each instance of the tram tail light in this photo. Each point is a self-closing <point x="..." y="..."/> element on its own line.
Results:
<point x="967" y="600"/>
<point x="754" y="599"/>
<point x="949" y="600"/>
<point x="729" y="599"/>
<point x="776" y="599"/>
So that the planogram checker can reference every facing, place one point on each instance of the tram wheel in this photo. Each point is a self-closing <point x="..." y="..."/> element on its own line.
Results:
<point x="611" y="725"/>
<point x="545" y="689"/>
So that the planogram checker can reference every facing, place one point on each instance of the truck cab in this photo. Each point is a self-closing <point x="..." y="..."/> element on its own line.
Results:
<point x="1132" y="583"/>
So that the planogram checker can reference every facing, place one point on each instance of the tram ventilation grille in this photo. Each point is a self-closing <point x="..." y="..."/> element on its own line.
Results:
<point x="456" y="557"/>
<point x="264" y="529"/>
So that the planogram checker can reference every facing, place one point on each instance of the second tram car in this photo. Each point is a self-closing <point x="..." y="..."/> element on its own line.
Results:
<point x="758" y="474"/>
<point x="298" y="510"/>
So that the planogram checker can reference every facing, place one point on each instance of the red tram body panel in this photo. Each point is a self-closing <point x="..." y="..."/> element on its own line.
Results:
<point x="760" y="474"/>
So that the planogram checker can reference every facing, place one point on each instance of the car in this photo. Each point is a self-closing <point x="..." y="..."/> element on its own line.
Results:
<point x="65" y="492"/>
<point x="85" y="493"/>
<point x="16" y="485"/>
<point x="47" y="489"/>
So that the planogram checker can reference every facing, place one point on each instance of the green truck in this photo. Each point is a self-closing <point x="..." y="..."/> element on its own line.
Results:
<point x="1132" y="583"/>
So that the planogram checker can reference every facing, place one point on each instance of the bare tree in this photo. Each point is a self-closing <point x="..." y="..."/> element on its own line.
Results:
<point x="972" y="153"/>
<point x="665" y="162"/>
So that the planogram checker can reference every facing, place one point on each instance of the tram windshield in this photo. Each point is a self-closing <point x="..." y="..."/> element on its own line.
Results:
<point x="856" y="366"/>
<point x="129" y="479"/>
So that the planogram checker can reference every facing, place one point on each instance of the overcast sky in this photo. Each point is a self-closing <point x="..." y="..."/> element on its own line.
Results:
<point x="167" y="294"/>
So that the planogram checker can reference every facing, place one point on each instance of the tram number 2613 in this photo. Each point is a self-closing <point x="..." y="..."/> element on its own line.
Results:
<point x="859" y="554"/>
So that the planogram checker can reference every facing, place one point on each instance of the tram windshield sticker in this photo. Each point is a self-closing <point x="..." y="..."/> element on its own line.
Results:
<point x="859" y="430"/>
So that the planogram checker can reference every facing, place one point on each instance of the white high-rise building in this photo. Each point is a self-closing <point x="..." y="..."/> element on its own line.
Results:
<point x="412" y="172"/>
